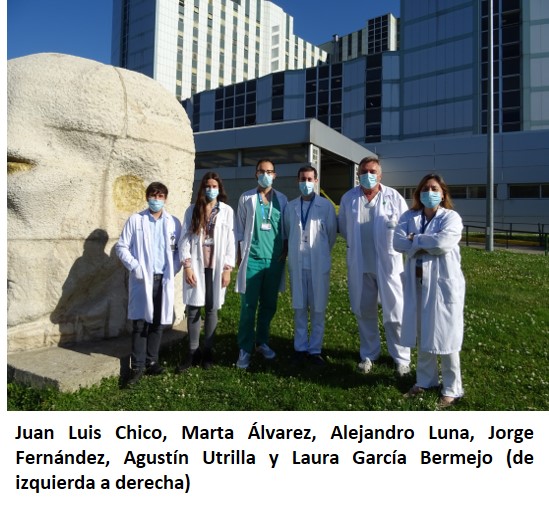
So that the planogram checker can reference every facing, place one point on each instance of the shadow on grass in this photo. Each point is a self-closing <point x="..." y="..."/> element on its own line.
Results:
<point x="340" y="370"/>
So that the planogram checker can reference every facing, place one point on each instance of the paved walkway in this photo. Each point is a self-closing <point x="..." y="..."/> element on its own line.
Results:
<point x="512" y="248"/>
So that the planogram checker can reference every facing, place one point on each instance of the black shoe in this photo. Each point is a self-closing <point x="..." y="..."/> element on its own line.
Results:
<point x="193" y="360"/>
<point x="299" y="357"/>
<point x="154" y="369"/>
<point x="316" y="360"/>
<point x="207" y="359"/>
<point x="135" y="377"/>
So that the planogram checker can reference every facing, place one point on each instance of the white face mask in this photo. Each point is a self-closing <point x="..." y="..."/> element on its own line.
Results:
<point x="211" y="193"/>
<point x="430" y="199"/>
<point x="306" y="188"/>
<point x="155" y="205"/>
<point x="368" y="180"/>
<point x="265" y="180"/>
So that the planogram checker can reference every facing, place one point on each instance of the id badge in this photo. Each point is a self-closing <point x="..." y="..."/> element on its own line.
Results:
<point x="304" y="237"/>
<point x="265" y="226"/>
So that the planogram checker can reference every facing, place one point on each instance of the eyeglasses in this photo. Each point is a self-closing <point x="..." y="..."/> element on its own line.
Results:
<point x="265" y="171"/>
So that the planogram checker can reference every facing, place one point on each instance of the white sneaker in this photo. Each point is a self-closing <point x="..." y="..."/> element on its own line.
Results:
<point x="266" y="351"/>
<point x="402" y="369"/>
<point x="365" y="366"/>
<point x="244" y="358"/>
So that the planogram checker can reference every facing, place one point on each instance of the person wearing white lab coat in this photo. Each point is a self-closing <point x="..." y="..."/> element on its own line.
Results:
<point x="262" y="249"/>
<point x="207" y="253"/>
<point x="368" y="214"/>
<point x="147" y="247"/>
<point x="434" y="287"/>
<point x="311" y="226"/>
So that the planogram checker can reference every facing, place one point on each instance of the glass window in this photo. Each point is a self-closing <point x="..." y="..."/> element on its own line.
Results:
<point x="278" y="78"/>
<point x="511" y="99"/>
<point x="524" y="191"/>
<point x="278" y="102"/>
<point x="311" y="74"/>
<point x="511" y="115"/>
<point x="336" y="95"/>
<point x="284" y="154"/>
<point x="324" y="71"/>
<point x="476" y="192"/>
<point x="335" y="121"/>
<point x="310" y="87"/>
<point x="373" y="115"/>
<point x="373" y="74"/>
<point x="458" y="191"/>
<point x="278" y="115"/>
<point x="373" y="101"/>
<point x="337" y="69"/>
<point x="510" y="66"/>
<point x="373" y="88"/>
<point x="218" y="159"/>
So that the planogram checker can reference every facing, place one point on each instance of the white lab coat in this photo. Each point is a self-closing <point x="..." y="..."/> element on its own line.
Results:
<point x="135" y="250"/>
<point x="390" y="206"/>
<point x="190" y="246"/>
<point x="443" y="286"/>
<point x="321" y="229"/>
<point x="244" y="228"/>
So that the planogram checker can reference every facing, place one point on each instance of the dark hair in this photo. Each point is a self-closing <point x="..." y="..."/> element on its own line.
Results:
<point x="446" y="201"/>
<point x="198" y="219"/>
<point x="307" y="167"/>
<point x="265" y="160"/>
<point x="370" y="158"/>
<point x="156" y="188"/>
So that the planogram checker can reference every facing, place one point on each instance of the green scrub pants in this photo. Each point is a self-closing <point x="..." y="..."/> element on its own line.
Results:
<point x="262" y="282"/>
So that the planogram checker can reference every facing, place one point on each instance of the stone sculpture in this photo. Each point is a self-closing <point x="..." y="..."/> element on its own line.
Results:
<point x="84" y="140"/>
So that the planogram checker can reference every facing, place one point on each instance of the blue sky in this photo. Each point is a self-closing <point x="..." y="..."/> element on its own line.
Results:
<point x="83" y="27"/>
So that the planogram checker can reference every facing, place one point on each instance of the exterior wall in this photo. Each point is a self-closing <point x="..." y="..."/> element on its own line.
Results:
<point x="535" y="27"/>
<point x="439" y="59"/>
<point x="520" y="159"/>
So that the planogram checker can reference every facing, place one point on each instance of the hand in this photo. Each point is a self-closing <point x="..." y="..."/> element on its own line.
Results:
<point x="225" y="278"/>
<point x="190" y="278"/>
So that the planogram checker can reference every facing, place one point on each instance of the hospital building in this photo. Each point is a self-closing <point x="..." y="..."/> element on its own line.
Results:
<point x="412" y="89"/>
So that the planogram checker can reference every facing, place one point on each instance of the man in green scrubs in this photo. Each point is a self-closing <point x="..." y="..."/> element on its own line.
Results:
<point x="262" y="250"/>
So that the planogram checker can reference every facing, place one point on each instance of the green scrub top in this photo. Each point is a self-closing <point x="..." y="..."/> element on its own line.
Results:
<point x="267" y="244"/>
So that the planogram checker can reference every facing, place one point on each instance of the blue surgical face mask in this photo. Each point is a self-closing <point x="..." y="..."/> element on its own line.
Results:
<point x="368" y="180"/>
<point x="430" y="199"/>
<point x="155" y="205"/>
<point x="306" y="188"/>
<point x="265" y="180"/>
<point x="211" y="193"/>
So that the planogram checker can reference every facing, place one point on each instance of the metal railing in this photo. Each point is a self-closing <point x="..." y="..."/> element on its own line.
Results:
<point x="511" y="234"/>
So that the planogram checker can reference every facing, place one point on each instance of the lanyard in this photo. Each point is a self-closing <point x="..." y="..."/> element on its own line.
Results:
<point x="306" y="216"/>
<point x="424" y="222"/>
<point x="263" y="208"/>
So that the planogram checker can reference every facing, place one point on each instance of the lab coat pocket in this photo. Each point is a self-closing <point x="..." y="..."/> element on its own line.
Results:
<point x="138" y="273"/>
<point x="390" y="225"/>
<point x="450" y="290"/>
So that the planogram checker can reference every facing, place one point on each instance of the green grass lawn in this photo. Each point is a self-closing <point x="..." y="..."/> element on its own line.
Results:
<point x="505" y="363"/>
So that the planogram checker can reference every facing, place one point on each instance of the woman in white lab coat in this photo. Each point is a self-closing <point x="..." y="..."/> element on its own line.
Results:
<point x="434" y="287"/>
<point x="207" y="253"/>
